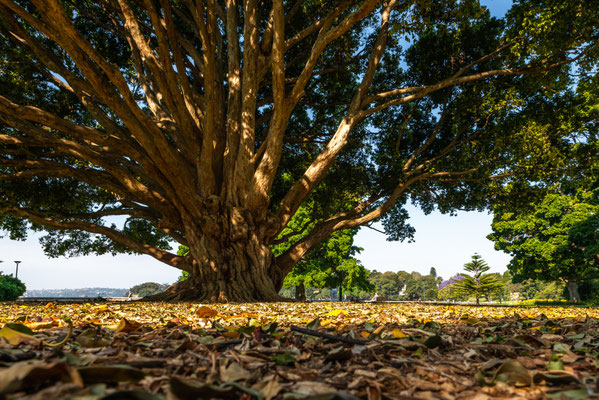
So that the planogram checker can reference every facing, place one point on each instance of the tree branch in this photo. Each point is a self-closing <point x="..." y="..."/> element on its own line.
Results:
<point x="112" y="234"/>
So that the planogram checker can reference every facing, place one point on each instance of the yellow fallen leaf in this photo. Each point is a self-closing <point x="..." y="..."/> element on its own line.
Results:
<point x="41" y="325"/>
<point x="231" y="334"/>
<point x="336" y="313"/>
<point x="398" y="334"/>
<point x="379" y="329"/>
<point x="14" y="337"/>
<point x="206" y="312"/>
<point x="21" y="334"/>
<point x="366" y="334"/>
<point x="127" y="326"/>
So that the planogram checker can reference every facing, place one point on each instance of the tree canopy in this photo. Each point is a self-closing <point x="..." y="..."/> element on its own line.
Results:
<point x="556" y="239"/>
<point x="10" y="287"/>
<point x="128" y="125"/>
<point x="147" y="289"/>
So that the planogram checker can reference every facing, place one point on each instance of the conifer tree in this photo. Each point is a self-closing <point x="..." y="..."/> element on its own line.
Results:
<point x="479" y="283"/>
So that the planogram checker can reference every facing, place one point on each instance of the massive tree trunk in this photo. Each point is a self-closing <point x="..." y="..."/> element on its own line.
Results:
<point x="572" y="287"/>
<point x="229" y="260"/>
<point x="300" y="292"/>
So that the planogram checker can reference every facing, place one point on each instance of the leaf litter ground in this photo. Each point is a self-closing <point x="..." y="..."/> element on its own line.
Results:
<point x="311" y="351"/>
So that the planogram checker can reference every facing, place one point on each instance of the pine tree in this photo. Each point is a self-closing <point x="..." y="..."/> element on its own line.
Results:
<point x="479" y="283"/>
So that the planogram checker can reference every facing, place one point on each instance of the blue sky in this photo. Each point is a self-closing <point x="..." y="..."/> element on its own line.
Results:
<point x="441" y="241"/>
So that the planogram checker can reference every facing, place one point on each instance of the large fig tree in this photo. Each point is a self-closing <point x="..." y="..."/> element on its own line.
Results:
<point x="127" y="125"/>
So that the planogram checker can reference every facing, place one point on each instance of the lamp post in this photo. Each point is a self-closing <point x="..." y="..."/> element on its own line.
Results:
<point x="17" y="271"/>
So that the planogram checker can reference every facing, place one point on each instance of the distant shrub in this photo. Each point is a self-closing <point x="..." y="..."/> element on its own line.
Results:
<point x="10" y="287"/>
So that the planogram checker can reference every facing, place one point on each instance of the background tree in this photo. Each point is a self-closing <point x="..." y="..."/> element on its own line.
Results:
<point x="11" y="288"/>
<point x="387" y="284"/>
<point x="126" y="125"/>
<point x="147" y="289"/>
<point x="479" y="283"/>
<point x="419" y="287"/>
<point x="329" y="265"/>
<point x="554" y="240"/>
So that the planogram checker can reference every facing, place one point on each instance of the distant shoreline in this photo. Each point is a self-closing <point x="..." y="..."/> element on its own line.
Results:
<point x="77" y="292"/>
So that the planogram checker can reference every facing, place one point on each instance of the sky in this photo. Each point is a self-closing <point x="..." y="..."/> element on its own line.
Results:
<point x="441" y="241"/>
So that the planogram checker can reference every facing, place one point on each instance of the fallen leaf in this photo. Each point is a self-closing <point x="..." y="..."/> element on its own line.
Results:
<point x="312" y="387"/>
<point x="132" y="395"/>
<point x="206" y="312"/>
<point x="513" y="372"/>
<point x="107" y="374"/>
<point x="398" y="334"/>
<point x="339" y="354"/>
<point x="127" y="326"/>
<point x="283" y="359"/>
<point x="15" y="337"/>
<point x="32" y="375"/>
<point x="184" y="389"/>
<point x="336" y="313"/>
<point x="232" y="334"/>
<point x="233" y="372"/>
<point x="271" y="389"/>
<point x="570" y="394"/>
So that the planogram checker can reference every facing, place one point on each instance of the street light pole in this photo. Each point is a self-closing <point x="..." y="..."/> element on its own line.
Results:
<point x="17" y="271"/>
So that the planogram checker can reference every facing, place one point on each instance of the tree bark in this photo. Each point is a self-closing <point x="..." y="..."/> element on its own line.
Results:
<point x="230" y="262"/>
<point x="573" y="291"/>
<point x="300" y="292"/>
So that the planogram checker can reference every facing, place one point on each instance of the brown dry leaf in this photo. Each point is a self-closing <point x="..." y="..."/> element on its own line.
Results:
<point x="31" y="375"/>
<point x="271" y="389"/>
<point x="233" y="372"/>
<point x="110" y="374"/>
<point x="312" y="387"/>
<point x="127" y="326"/>
<point x="206" y="312"/>
<point x="513" y="372"/>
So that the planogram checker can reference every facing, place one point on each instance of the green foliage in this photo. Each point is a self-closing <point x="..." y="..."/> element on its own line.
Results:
<point x="183" y="251"/>
<point x="10" y="287"/>
<point x="147" y="289"/>
<point x="418" y="287"/>
<point x="479" y="283"/>
<point x="447" y="293"/>
<point x="387" y="284"/>
<point x="556" y="239"/>
<point x="405" y="286"/>
<point x="331" y="264"/>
